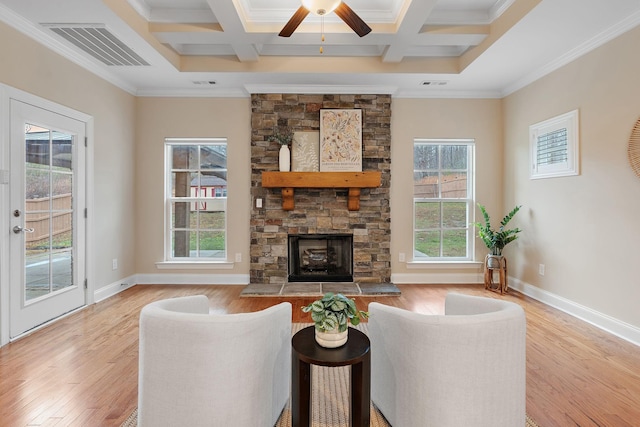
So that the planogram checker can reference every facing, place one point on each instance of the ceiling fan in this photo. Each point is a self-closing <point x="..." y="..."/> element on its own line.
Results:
<point x="324" y="7"/>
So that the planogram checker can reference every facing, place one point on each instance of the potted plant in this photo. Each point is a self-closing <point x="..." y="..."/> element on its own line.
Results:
<point x="496" y="240"/>
<point x="331" y="315"/>
<point x="283" y="138"/>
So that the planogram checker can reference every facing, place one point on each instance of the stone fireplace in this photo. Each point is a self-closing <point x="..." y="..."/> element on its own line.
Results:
<point x="319" y="211"/>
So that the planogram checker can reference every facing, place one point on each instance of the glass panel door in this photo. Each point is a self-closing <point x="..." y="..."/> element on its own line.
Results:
<point x="48" y="211"/>
<point x="47" y="198"/>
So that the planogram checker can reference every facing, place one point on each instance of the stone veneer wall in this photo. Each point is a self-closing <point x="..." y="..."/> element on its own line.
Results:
<point x="320" y="210"/>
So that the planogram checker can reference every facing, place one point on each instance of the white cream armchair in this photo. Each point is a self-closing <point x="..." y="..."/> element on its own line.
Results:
<point x="201" y="369"/>
<point x="467" y="367"/>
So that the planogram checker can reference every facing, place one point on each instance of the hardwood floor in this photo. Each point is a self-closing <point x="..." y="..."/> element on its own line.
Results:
<point x="82" y="369"/>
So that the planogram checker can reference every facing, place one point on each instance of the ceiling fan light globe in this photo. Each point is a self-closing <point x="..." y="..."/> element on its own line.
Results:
<point x="321" y="7"/>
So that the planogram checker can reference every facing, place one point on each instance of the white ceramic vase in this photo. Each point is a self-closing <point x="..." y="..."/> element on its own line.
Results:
<point x="285" y="158"/>
<point x="332" y="339"/>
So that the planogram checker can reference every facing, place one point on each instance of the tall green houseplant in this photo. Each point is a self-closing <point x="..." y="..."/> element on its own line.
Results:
<point x="496" y="240"/>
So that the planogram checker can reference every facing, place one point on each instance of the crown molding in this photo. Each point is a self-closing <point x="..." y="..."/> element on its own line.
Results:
<point x="448" y="94"/>
<point x="193" y="93"/>
<point x="318" y="89"/>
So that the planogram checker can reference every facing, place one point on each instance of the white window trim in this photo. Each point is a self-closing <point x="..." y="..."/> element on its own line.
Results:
<point x="170" y="262"/>
<point x="450" y="262"/>
<point x="445" y="265"/>
<point x="568" y="121"/>
<point x="195" y="265"/>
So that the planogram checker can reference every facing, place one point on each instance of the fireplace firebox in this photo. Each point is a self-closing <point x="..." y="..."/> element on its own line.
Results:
<point x="320" y="258"/>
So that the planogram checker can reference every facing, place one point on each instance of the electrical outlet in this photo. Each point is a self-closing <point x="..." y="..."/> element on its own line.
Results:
<point x="258" y="203"/>
<point x="114" y="263"/>
<point x="401" y="257"/>
<point x="238" y="257"/>
<point x="541" y="269"/>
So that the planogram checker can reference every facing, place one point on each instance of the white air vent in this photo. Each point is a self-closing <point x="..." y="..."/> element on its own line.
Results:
<point x="434" y="82"/>
<point x="98" y="42"/>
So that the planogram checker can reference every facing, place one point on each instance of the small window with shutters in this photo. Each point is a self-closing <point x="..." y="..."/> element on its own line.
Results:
<point x="554" y="146"/>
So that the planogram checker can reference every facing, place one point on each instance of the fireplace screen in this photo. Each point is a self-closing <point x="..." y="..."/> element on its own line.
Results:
<point x="320" y="257"/>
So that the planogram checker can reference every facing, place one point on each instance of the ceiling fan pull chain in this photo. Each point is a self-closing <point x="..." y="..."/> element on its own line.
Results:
<point x="321" y="33"/>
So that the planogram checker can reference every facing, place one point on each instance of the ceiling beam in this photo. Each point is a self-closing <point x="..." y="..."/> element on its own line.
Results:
<point x="411" y="23"/>
<point x="229" y="19"/>
<point x="156" y="27"/>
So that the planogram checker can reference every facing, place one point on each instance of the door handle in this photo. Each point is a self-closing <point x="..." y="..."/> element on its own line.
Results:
<point x="17" y="229"/>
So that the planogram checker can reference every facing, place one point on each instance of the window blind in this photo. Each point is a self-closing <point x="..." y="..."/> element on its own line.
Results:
<point x="552" y="147"/>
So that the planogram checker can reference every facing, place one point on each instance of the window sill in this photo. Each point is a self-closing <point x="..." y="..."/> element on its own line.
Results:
<point x="194" y="265"/>
<point x="444" y="265"/>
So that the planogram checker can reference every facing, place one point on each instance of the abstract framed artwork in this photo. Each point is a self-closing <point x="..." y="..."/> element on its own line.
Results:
<point x="305" y="148"/>
<point x="340" y="140"/>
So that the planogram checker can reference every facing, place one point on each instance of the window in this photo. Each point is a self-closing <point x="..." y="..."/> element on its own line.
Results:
<point x="443" y="200"/>
<point x="196" y="199"/>
<point x="554" y="146"/>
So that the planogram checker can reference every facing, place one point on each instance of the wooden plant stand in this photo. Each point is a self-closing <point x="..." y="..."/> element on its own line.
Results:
<point x="501" y="286"/>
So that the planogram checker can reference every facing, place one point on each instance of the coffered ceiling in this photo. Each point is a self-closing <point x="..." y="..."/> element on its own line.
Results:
<point x="417" y="48"/>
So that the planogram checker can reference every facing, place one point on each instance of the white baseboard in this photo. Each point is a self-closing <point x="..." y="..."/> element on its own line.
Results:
<point x="192" y="279"/>
<point x="113" y="288"/>
<point x="605" y="322"/>
<point x="437" y="278"/>
<point x="168" y="279"/>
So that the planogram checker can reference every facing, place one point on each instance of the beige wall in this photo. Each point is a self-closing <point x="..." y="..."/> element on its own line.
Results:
<point x="585" y="229"/>
<point x="28" y="66"/>
<point x="159" y="118"/>
<point x="478" y="119"/>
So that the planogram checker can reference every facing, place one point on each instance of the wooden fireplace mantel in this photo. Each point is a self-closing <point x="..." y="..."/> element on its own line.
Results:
<point x="353" y="181"/>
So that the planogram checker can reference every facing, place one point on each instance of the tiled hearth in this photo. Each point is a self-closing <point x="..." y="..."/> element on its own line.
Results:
<point x="318" y="289"/>
<point x="319" y="210"/>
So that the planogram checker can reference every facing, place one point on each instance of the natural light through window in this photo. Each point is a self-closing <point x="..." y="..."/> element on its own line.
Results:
<point x="443" y="200"/>
<point x="196" y="199"/>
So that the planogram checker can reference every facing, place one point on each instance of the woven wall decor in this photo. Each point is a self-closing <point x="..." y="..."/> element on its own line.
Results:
<point x="634" y="148"/>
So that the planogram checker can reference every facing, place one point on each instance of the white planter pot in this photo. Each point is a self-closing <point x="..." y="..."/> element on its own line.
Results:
<point x="494" y="261"/>
<point x="332" y="339"/>
<point x="285" y="159"/>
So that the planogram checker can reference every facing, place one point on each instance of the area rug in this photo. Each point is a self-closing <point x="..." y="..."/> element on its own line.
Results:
<point x="330" y="397"/>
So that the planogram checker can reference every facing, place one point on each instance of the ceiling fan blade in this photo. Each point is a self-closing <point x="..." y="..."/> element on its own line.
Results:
<point x="293" y="23"/>
<point x="352" y="19"/>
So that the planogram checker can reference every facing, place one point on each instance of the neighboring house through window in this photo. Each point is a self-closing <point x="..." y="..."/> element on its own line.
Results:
<point x="196" y="199"/>
<point x="443" y="200"/>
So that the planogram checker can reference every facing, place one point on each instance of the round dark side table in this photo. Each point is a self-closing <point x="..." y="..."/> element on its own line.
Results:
<point x="306" y="352"/>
